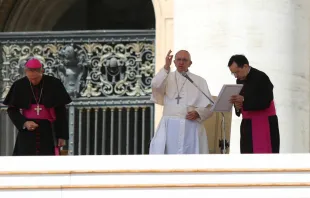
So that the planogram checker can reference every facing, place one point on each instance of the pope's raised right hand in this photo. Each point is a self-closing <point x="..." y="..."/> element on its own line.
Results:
<point x="168" y="60"/>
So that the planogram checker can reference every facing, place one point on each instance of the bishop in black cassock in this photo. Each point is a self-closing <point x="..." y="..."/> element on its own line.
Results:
<point x="37" y="107"/>
<point x="259" y="130"/>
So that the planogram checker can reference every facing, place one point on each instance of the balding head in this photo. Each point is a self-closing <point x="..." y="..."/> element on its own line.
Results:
<point x="182" y="60"/>
<point x="183" y="53"/>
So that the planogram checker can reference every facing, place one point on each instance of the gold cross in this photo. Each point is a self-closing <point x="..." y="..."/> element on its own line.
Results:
<point x="38" y="109"/>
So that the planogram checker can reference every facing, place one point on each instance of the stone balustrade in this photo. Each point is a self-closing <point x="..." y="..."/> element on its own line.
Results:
<point x="285" y="176"/>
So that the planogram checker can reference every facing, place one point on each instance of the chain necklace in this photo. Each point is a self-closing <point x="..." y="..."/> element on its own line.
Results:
<point x="37" y="109"/>
<point x="176" y="82"/>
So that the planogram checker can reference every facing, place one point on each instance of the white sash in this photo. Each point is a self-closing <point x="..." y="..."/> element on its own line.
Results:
<point x="179" y="111"/>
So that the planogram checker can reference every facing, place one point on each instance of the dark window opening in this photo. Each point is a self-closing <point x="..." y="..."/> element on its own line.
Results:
<point x="107" y="14"/>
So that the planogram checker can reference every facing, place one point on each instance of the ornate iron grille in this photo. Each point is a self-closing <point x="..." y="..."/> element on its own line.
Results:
<point x="108" y="75"/>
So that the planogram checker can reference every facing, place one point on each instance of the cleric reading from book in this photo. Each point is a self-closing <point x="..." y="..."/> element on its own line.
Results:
<point x="259" y="130"/>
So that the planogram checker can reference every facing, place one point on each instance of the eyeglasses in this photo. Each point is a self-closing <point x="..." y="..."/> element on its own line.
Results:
<point x="33" y="70"/>
<point x="235" y="73"/>
<point x="182" y="59"/>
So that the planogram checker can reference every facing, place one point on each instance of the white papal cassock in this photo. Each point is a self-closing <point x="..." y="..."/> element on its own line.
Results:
<point x="175" y="134"/>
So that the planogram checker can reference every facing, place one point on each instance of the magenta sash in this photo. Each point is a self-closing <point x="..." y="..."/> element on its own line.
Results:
<point x="260" y="128"/>
<point x="44" y="114"/>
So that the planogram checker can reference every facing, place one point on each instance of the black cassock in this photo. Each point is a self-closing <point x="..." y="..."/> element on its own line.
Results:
<point x="54" y="95"/>
<point x="259" y="130"/>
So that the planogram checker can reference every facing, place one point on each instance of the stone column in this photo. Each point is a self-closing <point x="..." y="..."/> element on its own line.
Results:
<point x="164" y="14"/>
<point x="274" y="35"/>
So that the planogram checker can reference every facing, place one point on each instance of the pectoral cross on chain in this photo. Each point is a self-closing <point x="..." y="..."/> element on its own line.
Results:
<point x="38" y="109"/>
<point x="178" y="99"/>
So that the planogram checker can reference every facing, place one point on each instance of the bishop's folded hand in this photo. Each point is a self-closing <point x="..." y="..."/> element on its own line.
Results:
<point x="30" y="125"/>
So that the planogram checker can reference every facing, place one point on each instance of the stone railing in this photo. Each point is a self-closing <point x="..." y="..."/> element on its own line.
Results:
<point x="285" y="176"/>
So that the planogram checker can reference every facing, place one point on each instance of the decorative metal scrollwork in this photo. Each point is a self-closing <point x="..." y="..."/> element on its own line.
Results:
<point x="112" y="69"/>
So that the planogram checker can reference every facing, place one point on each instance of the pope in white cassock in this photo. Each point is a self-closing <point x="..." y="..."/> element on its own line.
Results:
<point x="181" y="129"/>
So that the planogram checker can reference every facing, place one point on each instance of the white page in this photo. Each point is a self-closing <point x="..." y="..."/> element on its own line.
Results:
<point x="222" y="103"/>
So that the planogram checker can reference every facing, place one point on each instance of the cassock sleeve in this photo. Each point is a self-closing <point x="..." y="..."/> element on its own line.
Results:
<point x="204" y="112"/>
<point x="259" y="98"/>
<point x="61" y="123"/>
<point x="17" y="118"/>
<point x="19" y="95"/>
<point x="159" y="86"/>
<point x="237" y="112"/>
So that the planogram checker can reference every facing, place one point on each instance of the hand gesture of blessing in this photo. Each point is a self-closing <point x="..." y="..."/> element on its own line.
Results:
<point x="168" y="60"/>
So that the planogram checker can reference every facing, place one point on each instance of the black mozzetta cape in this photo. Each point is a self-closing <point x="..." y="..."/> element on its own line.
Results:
<point x="54" y="93"/>
<point x="257" y="91"/>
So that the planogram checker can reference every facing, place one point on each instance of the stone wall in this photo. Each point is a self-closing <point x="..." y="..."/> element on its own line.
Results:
<point x="6" y="7"/>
